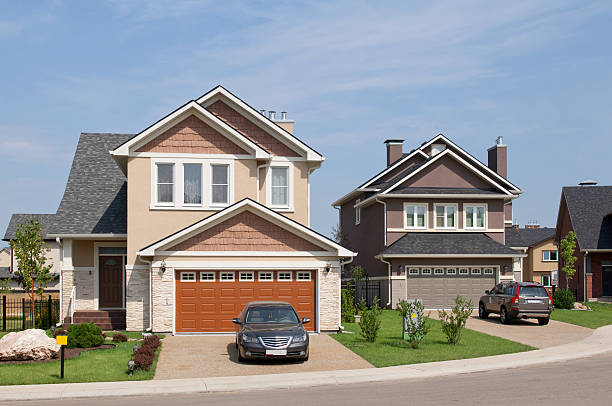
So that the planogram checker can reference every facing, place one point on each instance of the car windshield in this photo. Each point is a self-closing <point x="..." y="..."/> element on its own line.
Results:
<point x="270" y="315"/>
<point x="533" y="290"/>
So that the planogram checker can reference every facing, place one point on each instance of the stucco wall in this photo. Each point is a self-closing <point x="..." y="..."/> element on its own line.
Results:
<point x="536" y="267"/>
<point x="446" y="172"/>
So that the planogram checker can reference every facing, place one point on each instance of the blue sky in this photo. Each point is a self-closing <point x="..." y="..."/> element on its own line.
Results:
<point x="351" y="74"/>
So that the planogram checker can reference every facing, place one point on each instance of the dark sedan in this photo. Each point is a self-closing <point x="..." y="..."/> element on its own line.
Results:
<point x="271" y="330"/>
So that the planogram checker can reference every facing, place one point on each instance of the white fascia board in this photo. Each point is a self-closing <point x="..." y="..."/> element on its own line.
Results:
<point x="355" y="192"/>
<point x="288" y="139"/>
<point x="470" y="157"/>
<point x="201" y="113"/>
<point x="108" y="236"/>
<point x="517" y="255"/>
<point x="448" y="196"/>
<point x="237" y="208"/>
<point x="389" y="169"/>
<point x="460" y="160"/>
<point x="246" y="254"/>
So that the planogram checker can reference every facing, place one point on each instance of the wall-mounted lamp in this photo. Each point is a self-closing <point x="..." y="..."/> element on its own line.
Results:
<point x="327" y="267"/>
<point x="162" y="266"/>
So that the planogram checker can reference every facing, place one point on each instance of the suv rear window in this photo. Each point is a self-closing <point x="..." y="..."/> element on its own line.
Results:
<point x="533" y="290"/>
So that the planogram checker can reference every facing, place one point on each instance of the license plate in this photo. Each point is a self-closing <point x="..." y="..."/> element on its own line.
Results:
<point x="276" y="352"/>
<point x="534" y="301"/>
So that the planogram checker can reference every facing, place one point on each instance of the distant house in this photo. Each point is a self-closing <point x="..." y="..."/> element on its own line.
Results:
<point x="5" y="257"/>
<point x="587" y="210"/>
<point x="538" y="243"/>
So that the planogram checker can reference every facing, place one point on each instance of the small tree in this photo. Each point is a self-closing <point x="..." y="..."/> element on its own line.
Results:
<point x="338" y="235"/>
<point x="30" y="253"/>
<point x="359" y="273"/>
<point x="454" y="322"/>
<point x="415" y="327"/>
<point x="568" y="247"/>
<point x="348" y="303"/>
<point x="370" y="322"/>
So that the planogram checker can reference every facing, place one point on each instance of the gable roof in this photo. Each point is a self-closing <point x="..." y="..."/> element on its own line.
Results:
<point x="45" y="221"/>
<point x="527" y="237"/>
<point x="590" y="210"/>
<point x="239" y="207"/>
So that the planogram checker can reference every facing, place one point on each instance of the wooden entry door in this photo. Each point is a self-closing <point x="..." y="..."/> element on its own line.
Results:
<point x="606" y="280"/>
<point x="111" y="282"/>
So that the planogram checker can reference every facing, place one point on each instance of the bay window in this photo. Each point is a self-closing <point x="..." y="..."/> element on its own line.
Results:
<point x="474" y="216"/>
<point x="220" y="184"/>
<point x="192" y="184"/>
<point x="280" y="186"/>
<point x="165" y="183"/>
<point x="415" y="215"/>
<point x="446" y="216"/>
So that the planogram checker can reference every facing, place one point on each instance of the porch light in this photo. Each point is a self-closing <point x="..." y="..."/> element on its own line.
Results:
<point x="327" y="267"/>
<point x="163" y="266"/>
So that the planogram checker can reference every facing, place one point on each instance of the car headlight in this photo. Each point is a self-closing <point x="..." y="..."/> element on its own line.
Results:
<point x="300" y="338"/>
<point x="249" y="339"/>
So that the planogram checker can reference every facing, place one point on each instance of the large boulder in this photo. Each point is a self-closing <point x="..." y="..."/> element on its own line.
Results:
<point x="26" y="345"/>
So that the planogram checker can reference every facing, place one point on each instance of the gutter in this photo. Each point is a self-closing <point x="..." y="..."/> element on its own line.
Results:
<point x="389" y="268"/>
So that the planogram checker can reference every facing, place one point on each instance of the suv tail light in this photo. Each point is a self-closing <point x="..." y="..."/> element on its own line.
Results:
<point x="515" y="299"/>
<point x="550" y="301"/>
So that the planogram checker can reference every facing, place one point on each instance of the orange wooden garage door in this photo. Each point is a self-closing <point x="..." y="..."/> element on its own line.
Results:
<point x="206" y="301"/>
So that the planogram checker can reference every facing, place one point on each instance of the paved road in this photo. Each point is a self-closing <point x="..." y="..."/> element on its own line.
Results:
<point x="585" y="381"/>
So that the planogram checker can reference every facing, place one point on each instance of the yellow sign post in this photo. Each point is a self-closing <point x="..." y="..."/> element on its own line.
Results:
<point x="63" y="341"/>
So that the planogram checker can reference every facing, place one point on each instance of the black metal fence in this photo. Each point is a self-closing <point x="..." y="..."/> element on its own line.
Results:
<point x="365" y="289"/>
<point x="17" y="313"/>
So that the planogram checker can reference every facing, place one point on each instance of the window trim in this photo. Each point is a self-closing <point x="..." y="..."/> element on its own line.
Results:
<point x="451" y="271"/>
<point x="426" y="271"/>
<point x="214" y="276"/>
<point x="156" y="184"/>
<point x="260" y="273"/>
<point x="298" y="279"/>
<point x="550" y="260"/>
<point x="185" y="273"/>
<point x="249" y="273"/>
<point x="278" y="278"/>
<point x="460" y="271"/>
<point x="488" y="271"/>
<point x="550" y="279"/>
<point x="436" y="273"/>
<point x="289" y="204"/>
<point x="485" y="220"/>
<point x="202" y="183"/>
<point x="227" y="273"/>
<point x="211" y="185"/>
<point x="435" y="215"/>
<point x="415" y="227"/>
<point x="476" y="271"/>
<point x="417" y="271"/>
<point x="357" y="212"/>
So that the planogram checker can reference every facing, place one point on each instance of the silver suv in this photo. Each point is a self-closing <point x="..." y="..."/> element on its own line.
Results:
<point x="517" y="300"/>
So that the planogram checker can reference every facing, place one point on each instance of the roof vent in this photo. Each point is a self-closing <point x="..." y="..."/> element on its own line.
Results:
<point x="283" y="115"/>
<point x="499" y="140"/>
<point x="588" y="182"/>
<point x="272" y="115"/>
<point x="263" y="112"/>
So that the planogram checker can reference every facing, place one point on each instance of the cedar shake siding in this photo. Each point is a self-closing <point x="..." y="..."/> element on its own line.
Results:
<point x="194" y="136"/>
<point x="448" y="173"/>
<point x="246" y="232"/>
<point x="250" y="130"/>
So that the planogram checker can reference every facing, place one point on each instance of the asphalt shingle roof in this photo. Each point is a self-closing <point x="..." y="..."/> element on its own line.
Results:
<point x="526" y="237"/>
<point x="590" y="209"/>
<point x="447" y="243"/>
<point x="45" y="221"/>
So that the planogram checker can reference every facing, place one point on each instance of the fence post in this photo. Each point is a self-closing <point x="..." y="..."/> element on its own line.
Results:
<point x="3" y="313"/>
<point x="49" y="312"/>
<point x="23" y="314"/>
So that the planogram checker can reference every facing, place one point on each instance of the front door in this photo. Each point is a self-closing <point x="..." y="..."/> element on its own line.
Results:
<point x="111" y="282"/>
<point x="606" y="280"/>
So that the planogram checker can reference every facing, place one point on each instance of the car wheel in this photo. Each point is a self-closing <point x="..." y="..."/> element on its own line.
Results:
<point x="236" y="343"/>
<point x="503" y="316"/>
<point x="240" y="357"/>
<point x="543" y="321"/>
<point x="482" y="313"/>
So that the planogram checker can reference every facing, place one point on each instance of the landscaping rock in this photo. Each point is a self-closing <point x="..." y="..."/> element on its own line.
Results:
<point x="28" y="344"/>
<point x="580" y="306"/>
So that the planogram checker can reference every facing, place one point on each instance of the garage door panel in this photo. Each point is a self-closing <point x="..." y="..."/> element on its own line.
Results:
<point x="440" y="292"/>
<point x="207" y="292"/>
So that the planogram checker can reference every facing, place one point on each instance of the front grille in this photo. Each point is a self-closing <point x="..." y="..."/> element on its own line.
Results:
<point x="275" y="342"/>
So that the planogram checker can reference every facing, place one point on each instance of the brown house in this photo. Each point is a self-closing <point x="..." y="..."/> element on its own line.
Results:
<point x="431" y="224"/>
<point x="537" y="242"/>
<point x="587" y="210"/>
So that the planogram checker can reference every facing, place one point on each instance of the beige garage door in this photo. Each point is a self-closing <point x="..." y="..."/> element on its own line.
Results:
<point x="440" y="291"/>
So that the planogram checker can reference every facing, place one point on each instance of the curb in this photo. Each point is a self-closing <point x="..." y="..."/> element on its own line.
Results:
<point x="597" y="343"/>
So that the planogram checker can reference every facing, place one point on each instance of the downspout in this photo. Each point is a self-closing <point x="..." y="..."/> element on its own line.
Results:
<point x="150" y="293"/>
<point x="584" y="279"/>
<point x="61" y="279"/>
<point x="385" y="242"/>
<point x="389" y="267"/>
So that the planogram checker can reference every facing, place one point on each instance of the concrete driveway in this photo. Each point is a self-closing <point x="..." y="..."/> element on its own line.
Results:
<point x="210" y="356"/>
<point x="527" y="331"/>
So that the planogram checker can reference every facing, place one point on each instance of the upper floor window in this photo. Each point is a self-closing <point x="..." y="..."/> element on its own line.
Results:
<point x="192" y="184"/>
<point x="415" y="215"/>
<point x="220" y="184"/>
<point x="549" y="255"/>
<point x="280" y="186"/>
<point x="446" y="216"/>
<point x="474" y="216"/>
<point x="357" y="212"/>
<point x="165" y="183"/>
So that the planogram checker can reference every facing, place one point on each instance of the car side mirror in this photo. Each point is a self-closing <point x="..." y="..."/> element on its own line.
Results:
<point x="487" y="292"/>
<point x="236" y="320"/>
<point x="305" y="320"/>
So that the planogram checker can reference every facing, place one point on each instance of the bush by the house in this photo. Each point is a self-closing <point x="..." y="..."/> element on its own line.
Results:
<point x="119" y="338"/>
<point x="84" y="335"/>
<point x="370" y="322"/>
<point x="454" y="321"/>
<point x="415" y="326"/>
<point x="151" y="341"/>
<point x="143" y="358"/>
<point x="563" y="299"/>
<point x="348" y="305"/>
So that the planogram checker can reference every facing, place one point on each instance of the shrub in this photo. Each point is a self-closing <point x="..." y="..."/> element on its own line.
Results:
<point x="454" y="321"/>
<point x="370" y="322"/>
<point x="564" y="299"/>
<point x="84" y="335"/>
<point x="415" y="327"/>
<point x="59" y="332"/>
<point x="362" y="305"/>
<point x="348" y="304"/>
<point x="119" y="338"/>
<point x="143" y="360"/>
<point x="152" y="341"/>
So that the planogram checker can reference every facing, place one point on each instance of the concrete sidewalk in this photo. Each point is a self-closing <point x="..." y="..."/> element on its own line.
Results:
<point x="598" y="343"/>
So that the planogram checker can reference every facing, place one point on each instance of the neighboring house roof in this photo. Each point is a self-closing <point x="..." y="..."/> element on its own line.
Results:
<point x="590" y="210"/>
<point x="5" y="273"/>
<point x="95" y="198"/>
<point x="417" y="244"/>
<point x="527" y="237"/>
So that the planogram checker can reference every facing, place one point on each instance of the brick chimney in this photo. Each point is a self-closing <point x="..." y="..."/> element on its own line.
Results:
<point x="532" y="224"/>
<point x="498" y="157"/>
<point x="394" y="150"/>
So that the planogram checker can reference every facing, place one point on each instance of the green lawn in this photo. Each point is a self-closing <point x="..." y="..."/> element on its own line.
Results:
<point x="89" y="366"/>
<point x="390" y="349"/>
<point x="601" y="315"/>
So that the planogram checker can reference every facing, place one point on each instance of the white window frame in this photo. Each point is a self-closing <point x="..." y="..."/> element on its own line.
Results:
<point x="185" y="274"/>
<point x="210" y="184"/>
<point x="202" y="186"/>
<point x="300" y="276"/>
<point x="289" y="205"/>
<point x="550" y="260"/>
<point x="463" y="271"/>
<point x="550" y="279"/>
<point x="438" y="271"/>
<point x="415" y="216"/>
<point x="484" y="220"/>
<point x="413" y="271"/>
<point x="475" y="271"/>
<point x="279" y="273"/>
<point x="155" y="185"/>
<point x="451" y="271"/>
<point x="246" y="276"/>
<point x="435" y="215"/>
<point x="357" y="212"/>
<point x="261" y="274"/>
<point x="207" y="273"/>
<point x="224" y="273"/>
<point x="426" y="271"/>
<point x="488" y="271"/>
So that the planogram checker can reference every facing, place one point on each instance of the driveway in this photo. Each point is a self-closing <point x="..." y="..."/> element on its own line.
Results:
<point x="210" y="356"/>
<point x="527" y="331"/>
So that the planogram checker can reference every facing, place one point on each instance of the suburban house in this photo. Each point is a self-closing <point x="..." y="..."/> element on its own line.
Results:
<point x="5" y="257"/>
<point x="587" y="210"/>
<point x="432" y="224"/>
<point x="537" y="242"/>
<point x="176" y="228"/>
<point x="8" y="263"/>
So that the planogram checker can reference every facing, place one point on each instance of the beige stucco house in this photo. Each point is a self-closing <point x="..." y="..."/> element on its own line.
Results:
<point x="176" y="228"/>
<point x="537" y="243"/>
<point x="5" y="257"/>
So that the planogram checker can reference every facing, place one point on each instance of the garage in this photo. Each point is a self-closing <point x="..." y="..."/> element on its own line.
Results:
<point x="207" y="300"/>
<point x="438" y="287"/>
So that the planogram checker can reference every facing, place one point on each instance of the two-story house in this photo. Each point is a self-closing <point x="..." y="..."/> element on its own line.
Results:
<point x="431" y="224"/>
<point x="537" y="243"/>
<point x="177" y="227"/>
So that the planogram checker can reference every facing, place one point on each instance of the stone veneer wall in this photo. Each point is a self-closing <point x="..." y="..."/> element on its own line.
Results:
<point x="137" y="299"/>
<point x="329" y="299"/>
<point x="162" y="300"/>
<point x="83" y="279"/>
